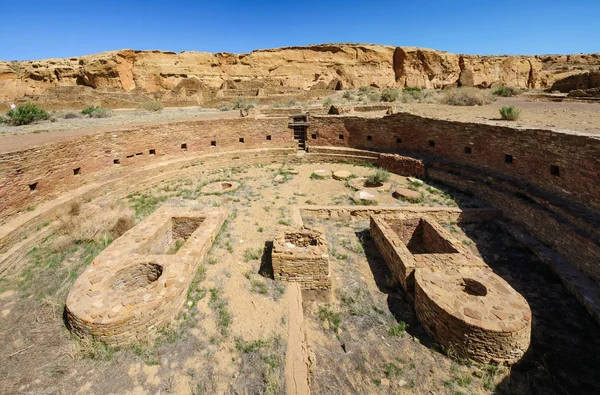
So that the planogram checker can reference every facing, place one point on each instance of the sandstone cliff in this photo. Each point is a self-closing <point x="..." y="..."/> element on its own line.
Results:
<point x="122" y="78"/>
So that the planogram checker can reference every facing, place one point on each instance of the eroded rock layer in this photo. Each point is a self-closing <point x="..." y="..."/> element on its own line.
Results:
<point x="123" y="78"/>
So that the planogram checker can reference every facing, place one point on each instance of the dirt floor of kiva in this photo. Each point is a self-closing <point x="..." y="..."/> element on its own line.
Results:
<point x="231" y="335"/>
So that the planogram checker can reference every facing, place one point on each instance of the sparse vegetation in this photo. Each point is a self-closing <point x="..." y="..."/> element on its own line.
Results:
<point x="398" y="330"/>
<point x="505" y="91"/>
<point x="379" y="177"/>
<point x="220" y="307"/>
<point x="510" y="113"/>
<point x="328" y="102"/>
<point x="330" y="318"/>
<point x="25" y="114"/>
<point x="466" y="97"/>
<point x="144" y="204"/>
<point x="262" y="366"/>
<point x="241" y="103"/>
<point x="151" y="105"/>
<point x="252" y="254"/>
<point x="390" y="95"/>
<point x="97" y="112"/>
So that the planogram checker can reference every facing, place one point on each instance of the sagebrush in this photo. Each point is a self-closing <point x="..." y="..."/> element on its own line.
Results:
<point x="510" y="113"/>
<point x="25" y="114"/>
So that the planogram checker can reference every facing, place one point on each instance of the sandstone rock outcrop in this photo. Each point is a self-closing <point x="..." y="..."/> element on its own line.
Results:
<point x="124" y="78"/>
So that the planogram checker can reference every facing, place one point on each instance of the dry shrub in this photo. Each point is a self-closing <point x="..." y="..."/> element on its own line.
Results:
<point x="466" y="97"/>
<point x="97" y="223"/>
<point x="124" y="223"/>
<point x="75" y="209"/>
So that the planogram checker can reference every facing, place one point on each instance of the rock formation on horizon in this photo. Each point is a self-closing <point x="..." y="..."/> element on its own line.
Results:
<point x="123" y="78"/>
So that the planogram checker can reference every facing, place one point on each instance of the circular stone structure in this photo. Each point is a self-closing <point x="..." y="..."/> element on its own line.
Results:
<point x="361" y="184"/>
<point x="473" y="312"/>
<point x="219" y="187"/>
<point x="321" y="173"/>
<point x="341" y="175"/>
<point x="407" y="194"/>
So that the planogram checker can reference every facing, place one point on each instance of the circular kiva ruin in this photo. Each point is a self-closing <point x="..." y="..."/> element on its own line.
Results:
<point x="385" y="182"/>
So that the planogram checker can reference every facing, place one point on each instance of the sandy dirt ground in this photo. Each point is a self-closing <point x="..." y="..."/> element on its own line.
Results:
<point x="231" y="335"/>
<point x="581" y="117"/>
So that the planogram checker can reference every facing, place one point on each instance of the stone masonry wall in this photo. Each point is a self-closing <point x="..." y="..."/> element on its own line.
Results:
<point x="50" y="169"/>
<point x="559" y="170"/>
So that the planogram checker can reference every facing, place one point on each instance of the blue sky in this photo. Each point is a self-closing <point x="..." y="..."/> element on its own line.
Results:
<point x="41" y="29"/>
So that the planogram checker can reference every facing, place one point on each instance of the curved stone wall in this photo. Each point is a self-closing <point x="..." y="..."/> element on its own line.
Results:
<point x="547" y="182"/>
<point x="139" y="283"/>
<point x="474" y="313"/>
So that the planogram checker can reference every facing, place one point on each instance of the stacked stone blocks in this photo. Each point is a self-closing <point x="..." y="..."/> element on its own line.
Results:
<point x="302" y="256"/>
<point x="140" y="282"/>
<point x="459" y="300"/>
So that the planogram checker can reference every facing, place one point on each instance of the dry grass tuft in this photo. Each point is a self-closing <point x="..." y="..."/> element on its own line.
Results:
<point x="467" y="97"/>
<point x="96" y="223"/>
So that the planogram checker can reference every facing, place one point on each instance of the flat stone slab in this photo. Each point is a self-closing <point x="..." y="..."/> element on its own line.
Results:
<point x="218" y="187"/>
<point x="322" y="173"/>
<point x="365" y="196"/>
<point x="342" y="175"/>
<point x="406" y="194"/>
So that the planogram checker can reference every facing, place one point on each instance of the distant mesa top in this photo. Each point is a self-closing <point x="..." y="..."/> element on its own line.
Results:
<point x="192" y="78"/>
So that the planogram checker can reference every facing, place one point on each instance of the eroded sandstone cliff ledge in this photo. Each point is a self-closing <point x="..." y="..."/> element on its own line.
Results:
<point x="121" y="78"/>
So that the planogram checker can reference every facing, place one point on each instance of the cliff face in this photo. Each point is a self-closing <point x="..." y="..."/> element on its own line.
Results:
<point x="121" y="78"/>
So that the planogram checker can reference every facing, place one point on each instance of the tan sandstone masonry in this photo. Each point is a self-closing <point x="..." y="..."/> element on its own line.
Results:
<point x="560" y="170"/>
<point x="31" y="176"/>
<point x="139" y="283"/>
<point x="302" y="256"/>
<point x="463" y="305"/>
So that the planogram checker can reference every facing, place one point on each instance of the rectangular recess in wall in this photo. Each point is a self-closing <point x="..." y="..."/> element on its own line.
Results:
<point x="33" y="186"/>
<point x="152" y="152"/>
<point x="555" y="170"/>
<point x="313" y="136"/>
<point x="398" y="140"/>
<point x="129" y="156"/>
<point x="184" y="146"/>
<point x="268" y="137"/>
<point x="468" y="150"/>
<point x="77" y="171"/>
<point x="508" y="158"/>
<point x="139" y="154"/>
<point x="116" y="161"/>
<point x="431" y="143"/>
<point x="369" y="138"/>
<point x="341" y="136"/>
<point x="213" y="143"/>
<point x="241" y="140"/>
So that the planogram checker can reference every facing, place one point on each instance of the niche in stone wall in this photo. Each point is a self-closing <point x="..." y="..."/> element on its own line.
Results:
<point x="77" y="171"/>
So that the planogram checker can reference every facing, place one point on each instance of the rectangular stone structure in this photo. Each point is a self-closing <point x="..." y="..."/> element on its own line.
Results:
<point x="408" y="241"/>
<point x="301" y="256"/>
